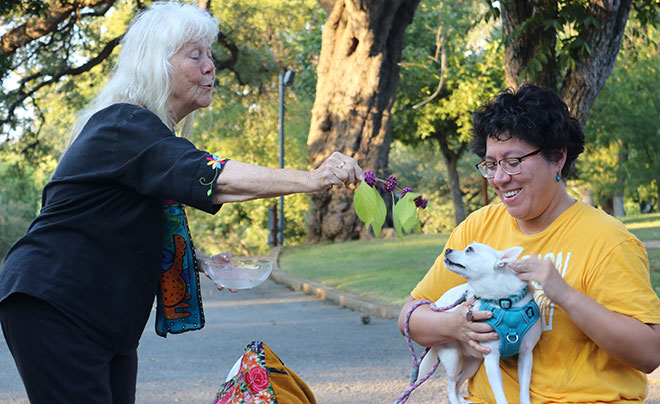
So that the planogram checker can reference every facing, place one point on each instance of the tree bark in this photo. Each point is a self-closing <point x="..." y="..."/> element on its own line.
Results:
<point x="358" y="74"/>
<point x="521" y="49"/>
<point x="580" y="86"/>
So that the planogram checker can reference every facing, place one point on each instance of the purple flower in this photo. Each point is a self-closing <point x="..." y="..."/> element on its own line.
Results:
<point x="370" y="178"/>
<point x="405" y="191"/>
<point x="421" y="202"/>
<point x="390" y="184"/>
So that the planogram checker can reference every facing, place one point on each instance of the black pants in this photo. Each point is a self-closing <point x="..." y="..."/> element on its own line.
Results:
<point x="58" y="362"/>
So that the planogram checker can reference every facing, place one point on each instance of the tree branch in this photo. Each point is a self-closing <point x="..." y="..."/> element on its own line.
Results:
<point x="440" y="42"/>
<point x="36" y="28"/>
<point x="55" y="77"/>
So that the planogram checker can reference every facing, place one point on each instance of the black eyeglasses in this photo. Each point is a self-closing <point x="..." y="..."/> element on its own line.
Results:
<point x="510" y="165"/>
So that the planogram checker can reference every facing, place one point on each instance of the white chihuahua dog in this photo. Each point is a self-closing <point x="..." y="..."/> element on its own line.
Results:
<point x="496" y="288"/>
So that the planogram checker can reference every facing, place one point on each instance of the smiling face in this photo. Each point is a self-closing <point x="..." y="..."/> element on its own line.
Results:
<point x="534" y="197"/>
<point x="193" y="78"/>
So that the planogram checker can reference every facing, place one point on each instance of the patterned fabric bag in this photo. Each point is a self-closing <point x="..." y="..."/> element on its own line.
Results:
<point x="178" y="301"/>
<point x="260" y="377"/>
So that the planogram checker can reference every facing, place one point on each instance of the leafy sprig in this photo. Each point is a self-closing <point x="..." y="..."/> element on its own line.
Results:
<point x="370" y="206"/>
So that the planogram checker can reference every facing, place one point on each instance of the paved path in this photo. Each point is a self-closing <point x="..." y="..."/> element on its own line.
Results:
<point x="343" y="360"/>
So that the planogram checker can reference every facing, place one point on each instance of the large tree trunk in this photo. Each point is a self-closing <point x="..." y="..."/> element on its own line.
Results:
<point x="580" y="86"/>
<point x="520" y="50"/>
<point x="358" y="74"/>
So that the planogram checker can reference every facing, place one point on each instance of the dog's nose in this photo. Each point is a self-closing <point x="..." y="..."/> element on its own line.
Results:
<point x="448" y="250"/>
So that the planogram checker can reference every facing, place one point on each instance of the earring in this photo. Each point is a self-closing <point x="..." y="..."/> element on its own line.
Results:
<point x="558" y="177"/>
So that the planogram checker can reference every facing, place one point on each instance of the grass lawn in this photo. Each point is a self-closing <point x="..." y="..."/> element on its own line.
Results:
<point x="386" y="270"/>
<point x="654" y="260"/>
<point x="647" y="228"/>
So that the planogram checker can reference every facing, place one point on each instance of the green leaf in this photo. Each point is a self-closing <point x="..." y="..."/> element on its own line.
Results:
<point x="405" y="214"/>
<point x="370" y="207"/>
<point x="397" y="224"/>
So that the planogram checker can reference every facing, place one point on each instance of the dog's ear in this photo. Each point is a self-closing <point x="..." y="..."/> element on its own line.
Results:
<point x="508" y="255"/>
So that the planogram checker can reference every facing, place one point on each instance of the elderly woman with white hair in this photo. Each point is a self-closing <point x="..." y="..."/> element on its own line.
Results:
<point x="76" y="291"/>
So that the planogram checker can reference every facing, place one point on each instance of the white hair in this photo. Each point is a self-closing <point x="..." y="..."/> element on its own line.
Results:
<point x="143" y="73"/>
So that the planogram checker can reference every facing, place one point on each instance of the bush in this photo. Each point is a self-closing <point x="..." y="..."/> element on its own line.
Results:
<point x="15" y="217"/>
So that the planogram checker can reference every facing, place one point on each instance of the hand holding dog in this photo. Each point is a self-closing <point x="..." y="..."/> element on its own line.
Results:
<point x="474" y="331"/>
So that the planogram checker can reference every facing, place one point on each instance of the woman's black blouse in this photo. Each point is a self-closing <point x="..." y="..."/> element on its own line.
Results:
<point x="94" y="250"/>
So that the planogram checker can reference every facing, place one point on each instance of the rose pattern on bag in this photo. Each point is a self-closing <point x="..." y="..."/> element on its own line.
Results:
<point x="251" y="385"/>
<point x="257" y="379"/>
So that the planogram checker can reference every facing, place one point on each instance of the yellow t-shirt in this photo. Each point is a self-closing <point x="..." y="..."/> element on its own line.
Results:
<point x="596" y="255"/>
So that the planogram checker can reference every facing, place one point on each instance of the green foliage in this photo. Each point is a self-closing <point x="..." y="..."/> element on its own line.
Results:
<point x="245" y="128"/>
<point x="404" y="215"/>
<point x="473" y="73"/>
<point x="626" y="118"/>
<point x="271" y="35"/>
<point x="15" y="217"/>
<point x="24" y="169"/>
<point x="242" y="123"/>
<point x="370" y="207"/>
<point x="420" y="167"/>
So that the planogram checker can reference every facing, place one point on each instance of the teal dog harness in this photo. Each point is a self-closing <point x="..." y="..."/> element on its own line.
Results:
<point x="511" y="323"/>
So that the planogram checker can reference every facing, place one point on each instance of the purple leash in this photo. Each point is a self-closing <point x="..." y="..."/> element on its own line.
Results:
<point x="414" y="383"/>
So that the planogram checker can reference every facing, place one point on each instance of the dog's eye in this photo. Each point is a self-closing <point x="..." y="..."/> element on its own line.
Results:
<point x="469" y="249"/>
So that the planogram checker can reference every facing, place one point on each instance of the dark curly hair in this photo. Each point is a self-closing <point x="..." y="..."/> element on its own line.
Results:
<point x="534" y="115"/>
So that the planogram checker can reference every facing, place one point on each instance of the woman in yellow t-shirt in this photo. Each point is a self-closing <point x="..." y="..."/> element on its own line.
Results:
<point x="600" y="315"/>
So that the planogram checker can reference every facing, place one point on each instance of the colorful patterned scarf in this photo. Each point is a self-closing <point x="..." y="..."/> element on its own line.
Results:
<point x="178" y="301"/>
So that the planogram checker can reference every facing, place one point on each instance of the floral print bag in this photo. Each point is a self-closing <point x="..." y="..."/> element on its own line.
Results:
<point x="262" y="378"/>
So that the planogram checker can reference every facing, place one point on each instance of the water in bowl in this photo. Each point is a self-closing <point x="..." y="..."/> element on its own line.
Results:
<point x="240" y="273"/>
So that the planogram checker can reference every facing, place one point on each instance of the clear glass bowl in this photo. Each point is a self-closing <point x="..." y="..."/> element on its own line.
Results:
<point x="240" y="273"/>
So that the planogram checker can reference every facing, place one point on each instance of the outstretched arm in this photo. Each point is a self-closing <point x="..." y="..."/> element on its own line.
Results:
<point x="242" y="181"/>
<point x="625" y="338"/>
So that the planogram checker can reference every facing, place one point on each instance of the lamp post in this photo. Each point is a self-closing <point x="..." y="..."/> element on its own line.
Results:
<point x="286" y="79"/>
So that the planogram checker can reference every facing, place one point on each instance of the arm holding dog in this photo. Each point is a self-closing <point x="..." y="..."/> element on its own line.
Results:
<point x="428" y="327"/>
<point x="631" y="341"/>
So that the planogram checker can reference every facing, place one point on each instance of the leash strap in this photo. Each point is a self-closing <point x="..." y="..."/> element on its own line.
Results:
<point x="414" y="383"/>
